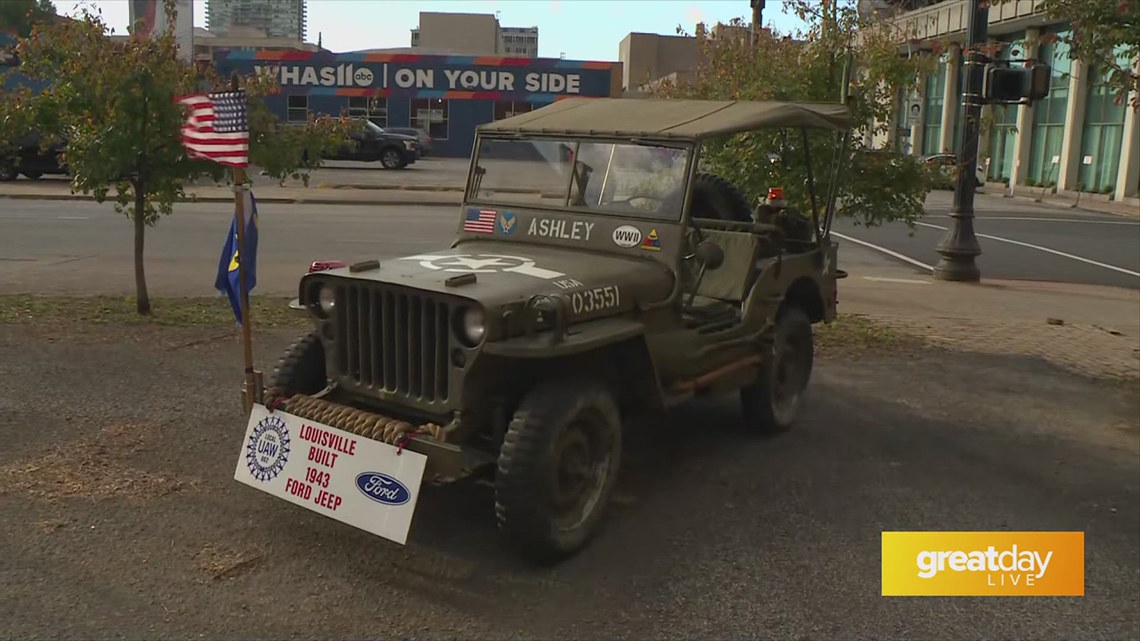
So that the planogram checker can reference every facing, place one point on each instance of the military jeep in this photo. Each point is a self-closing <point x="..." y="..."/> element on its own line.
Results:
<point x="597" y="275"/>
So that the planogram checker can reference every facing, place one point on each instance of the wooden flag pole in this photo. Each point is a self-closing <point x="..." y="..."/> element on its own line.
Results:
<point x="251" y="389"/>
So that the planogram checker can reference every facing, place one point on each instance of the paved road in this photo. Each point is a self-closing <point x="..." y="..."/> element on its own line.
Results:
<point x="450" y="172"/>
<point x="76" y="247"/>
<point x="70" y="247"/>
<point x="1020" y="240"/>
<point x="713" y="534"/>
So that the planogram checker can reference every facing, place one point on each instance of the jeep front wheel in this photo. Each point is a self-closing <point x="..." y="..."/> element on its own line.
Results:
<point x="301" y="369"/>
<point x="770" y="404"/>
<point x="557" y="467"/>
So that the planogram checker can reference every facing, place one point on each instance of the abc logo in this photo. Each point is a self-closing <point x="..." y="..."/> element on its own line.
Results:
<point x="362" y="77"/>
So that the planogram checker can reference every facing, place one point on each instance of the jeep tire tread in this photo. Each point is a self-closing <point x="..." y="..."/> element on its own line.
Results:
<point x="301" y="369"/>
<point x="564" y="425"/>
<point x="765" y="403"/>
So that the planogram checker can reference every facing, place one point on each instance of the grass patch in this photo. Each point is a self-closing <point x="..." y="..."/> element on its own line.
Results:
<point x="92" y="468"/>
<point x="268" y="311"/>
<point x="855" y="332"/>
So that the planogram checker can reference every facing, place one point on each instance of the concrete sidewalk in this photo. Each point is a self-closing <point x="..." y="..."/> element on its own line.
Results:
<point x="1088" y="329"/>
<point x="440" y="181"/>
<point x="266" y="193"/>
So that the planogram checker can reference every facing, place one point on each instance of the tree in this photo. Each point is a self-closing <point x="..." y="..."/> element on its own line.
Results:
<point x="1105" y="34"/>
<point x="20" y="16"/>
<point x="878" y="185"/>
<point x="113" y="104"/>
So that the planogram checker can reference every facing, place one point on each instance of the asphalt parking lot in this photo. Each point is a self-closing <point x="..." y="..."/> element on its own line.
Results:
<point x="122" y="518"/>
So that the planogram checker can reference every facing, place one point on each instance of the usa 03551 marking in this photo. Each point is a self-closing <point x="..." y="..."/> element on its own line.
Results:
<point x="596" y="299"/>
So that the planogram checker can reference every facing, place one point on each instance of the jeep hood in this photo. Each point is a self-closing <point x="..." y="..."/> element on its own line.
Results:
<point x="510" y="272"/>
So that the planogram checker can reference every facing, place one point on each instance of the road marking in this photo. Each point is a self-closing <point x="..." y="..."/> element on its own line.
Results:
<point x="1051" y="220"/>
<point x="1045" y="249"/>
<point x="884" y="279"/>
<point x="884" y="250"/>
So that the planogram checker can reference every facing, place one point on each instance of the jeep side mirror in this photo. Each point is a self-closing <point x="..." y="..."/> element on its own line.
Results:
<point x="710" y="254"/>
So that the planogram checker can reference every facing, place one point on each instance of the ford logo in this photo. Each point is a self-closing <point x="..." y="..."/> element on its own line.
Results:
<point x="382" y="488"/>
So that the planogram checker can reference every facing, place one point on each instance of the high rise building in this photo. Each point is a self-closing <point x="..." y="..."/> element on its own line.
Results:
<point x="272" y="18"/>
<point x="476" y="34"/>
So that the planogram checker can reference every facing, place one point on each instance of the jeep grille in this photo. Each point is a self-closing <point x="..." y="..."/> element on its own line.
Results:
<point x="393" y="340"/>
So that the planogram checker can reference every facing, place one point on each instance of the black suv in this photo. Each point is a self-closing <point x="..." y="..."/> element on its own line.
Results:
<point x="372" y="143"/>
<point x="31" y="161"/>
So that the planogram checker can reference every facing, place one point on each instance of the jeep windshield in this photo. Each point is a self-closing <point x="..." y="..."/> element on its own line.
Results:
<point x="622" y="179"/>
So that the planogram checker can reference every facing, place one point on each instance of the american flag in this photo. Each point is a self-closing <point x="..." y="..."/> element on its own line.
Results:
<point x="480" y="221"/>
<point x="217" y="128"/>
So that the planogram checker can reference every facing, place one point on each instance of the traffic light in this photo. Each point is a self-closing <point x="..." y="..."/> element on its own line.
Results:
<point x="1008" y="85"/>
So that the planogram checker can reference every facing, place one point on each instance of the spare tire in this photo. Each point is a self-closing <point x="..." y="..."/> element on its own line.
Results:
<point x="716" y="197"/>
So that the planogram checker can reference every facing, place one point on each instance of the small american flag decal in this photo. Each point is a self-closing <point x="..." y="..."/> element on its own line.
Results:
<point x="480" y="221"/>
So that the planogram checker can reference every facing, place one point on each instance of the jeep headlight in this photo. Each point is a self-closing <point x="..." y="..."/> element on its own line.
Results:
<point x="326" y="299"/>
<point x="472" y="325"/>
<point x="409" y="144"/>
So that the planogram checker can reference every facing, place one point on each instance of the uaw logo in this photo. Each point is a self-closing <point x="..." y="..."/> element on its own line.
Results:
<point x="268" y="448"/>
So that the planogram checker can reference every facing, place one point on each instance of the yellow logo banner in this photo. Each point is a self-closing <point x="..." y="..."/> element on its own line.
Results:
<point x="983" y="564"/>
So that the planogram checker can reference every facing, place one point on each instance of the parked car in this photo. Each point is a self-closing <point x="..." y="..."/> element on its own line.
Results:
<point x="947" y="163"/>
<point x="421" y="135"/>
<point x="30" y="160"/>
<point x="372" y="143"/>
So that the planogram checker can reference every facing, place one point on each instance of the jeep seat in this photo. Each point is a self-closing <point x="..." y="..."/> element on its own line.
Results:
<point x="721" y="292"/>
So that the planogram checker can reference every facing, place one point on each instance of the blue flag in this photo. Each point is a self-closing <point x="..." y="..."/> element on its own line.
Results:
<point x="227" y="281"/>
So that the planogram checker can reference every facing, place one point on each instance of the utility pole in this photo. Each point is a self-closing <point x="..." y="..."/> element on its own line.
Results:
<point x="757" y="19"/>
<point x="960" y="246"/>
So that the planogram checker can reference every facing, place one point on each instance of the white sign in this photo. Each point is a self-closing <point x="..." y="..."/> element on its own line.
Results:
<point x="914" y="113"/>
<point x="484" y="264"/>
<point x="385" y="76"/>
<point x="349" y="478"/>
<point x="627" y="236"/>
<point x="1087" y="160"/>
<point x="1056" y="159"/>
<point x="346" y="75"/>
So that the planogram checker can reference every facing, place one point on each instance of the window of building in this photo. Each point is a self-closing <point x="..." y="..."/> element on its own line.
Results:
<point x="932" y="109"/>
<point x="1003" y="134"/>
<point x="430" y="114"/>
<point x="374" y="108"/>
<point x="508" y="108"/>
<point x="1103" y="133"/>
<point x="297" y="109"/>
<point x="1049" y="114"/>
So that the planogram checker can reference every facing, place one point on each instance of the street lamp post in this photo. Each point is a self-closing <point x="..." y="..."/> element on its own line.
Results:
<point x="960" y="246"/>
<point x="757" y="17"/>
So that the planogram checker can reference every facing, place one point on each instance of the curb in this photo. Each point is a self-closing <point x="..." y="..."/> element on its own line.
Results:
<point x="316" y="200"/>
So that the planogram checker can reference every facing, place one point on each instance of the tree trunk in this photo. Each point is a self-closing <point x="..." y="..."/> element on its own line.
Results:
<point x="142" y="298"/>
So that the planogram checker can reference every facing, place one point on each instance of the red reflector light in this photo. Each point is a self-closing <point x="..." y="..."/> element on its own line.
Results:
<point x="324" y="265"/>
<point x="775" y="193"/>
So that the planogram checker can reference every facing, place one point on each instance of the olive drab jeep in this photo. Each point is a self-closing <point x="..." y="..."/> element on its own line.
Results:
<point x="598" y="274"/>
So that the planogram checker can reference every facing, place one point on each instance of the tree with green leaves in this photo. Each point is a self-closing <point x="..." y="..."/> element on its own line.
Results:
<point x="840" y="54"/>
<point x="20" y="16"/>
<point x="113" y="104"/>
<point x="1105" y="34"/>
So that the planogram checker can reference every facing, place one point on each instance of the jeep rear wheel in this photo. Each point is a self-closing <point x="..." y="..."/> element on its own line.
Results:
<point x="8" y="173"/>
<point x="557" y="467"/>
<point x="770" y="404"/>
<point x="301" y="369"/>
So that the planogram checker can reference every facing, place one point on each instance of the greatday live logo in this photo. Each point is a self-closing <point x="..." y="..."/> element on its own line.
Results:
<point x="983" y="563"/>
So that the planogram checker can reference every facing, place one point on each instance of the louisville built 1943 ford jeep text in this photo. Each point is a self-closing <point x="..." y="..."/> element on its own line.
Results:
<point x="597" y="275"/>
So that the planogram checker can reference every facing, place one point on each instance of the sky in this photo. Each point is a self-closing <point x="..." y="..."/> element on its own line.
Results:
<point x="575" y="29"/>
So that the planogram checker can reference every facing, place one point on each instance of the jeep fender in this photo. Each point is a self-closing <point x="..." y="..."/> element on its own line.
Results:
<point x="613" y="348"/>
